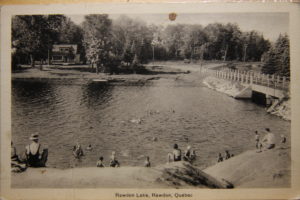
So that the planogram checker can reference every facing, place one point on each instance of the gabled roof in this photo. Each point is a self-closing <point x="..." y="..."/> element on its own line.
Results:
<point x="56" y="47"/>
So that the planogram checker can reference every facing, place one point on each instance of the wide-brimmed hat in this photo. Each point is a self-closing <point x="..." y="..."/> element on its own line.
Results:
<point x="34" y="136"/>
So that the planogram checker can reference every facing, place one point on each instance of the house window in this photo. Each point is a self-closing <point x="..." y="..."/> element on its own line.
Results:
<point x="57" y="58"/>
<point x="64" y="49"/>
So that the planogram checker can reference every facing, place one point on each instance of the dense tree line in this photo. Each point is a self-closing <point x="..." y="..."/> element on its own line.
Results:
<point x="126" y="43"/>
<point x="277" y="59"/>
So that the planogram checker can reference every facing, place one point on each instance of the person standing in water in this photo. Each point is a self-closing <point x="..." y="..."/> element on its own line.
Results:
<point x="147" y="162"/>
<point x="77" y="151"/>
<point x="220" y="158"/>
<point x="176" y="153"/>
<point x="34" y="157"/>
<point x="100" y="162"/>
<point x="114" y="162"/>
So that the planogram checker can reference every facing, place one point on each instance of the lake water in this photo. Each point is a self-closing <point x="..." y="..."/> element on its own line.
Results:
<point x="173" y="111"/>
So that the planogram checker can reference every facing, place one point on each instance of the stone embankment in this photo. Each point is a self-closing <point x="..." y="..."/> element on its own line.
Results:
<point x="280" y="107"/>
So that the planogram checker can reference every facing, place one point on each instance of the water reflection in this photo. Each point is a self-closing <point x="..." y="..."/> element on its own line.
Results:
<point x="95" y="94"/>
<point x="104" y="116"/>
<point x="33" y="92"/>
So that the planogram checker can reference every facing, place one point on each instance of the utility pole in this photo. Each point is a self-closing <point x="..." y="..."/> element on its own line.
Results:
<point x="245" y="52"/>
<point x="226" y="52"/>
<point x="48" y="57"/>
<point x="153" y="52"/>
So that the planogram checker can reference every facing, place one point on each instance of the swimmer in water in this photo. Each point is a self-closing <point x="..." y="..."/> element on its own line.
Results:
<point x="77" y="151"/>
<point x="89" y="148"/>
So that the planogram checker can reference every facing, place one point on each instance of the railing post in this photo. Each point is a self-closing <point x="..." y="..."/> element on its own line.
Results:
<point x="273" y="80"/>
<point x="268" y="81"/>
<point x="283" y="81"/>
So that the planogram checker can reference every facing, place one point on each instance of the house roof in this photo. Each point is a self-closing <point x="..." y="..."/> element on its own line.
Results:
<point x="56" y="47"/>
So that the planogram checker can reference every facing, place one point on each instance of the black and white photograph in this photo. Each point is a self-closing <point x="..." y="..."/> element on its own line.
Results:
<point x="133" y="100"/>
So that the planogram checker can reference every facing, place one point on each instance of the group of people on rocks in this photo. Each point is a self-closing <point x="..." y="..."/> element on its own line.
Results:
<point x="189" y="154"/>
<point x="268" y="141"/>
<point x="227" y="156"/>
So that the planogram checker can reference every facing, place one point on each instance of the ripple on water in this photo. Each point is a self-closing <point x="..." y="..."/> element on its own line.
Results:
<point x="101" y="116"/>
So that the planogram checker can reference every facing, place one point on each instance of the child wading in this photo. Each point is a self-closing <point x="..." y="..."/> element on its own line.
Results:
<point x="100" y="162"/>
<point x="114" y="162"/>
<point x="147" y="162"/>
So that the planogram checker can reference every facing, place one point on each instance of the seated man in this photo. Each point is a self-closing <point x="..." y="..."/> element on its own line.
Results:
<point x="34" y="157"/>
<point x="176" y="153"/>
<point x="269" y="140"/>
<point x="16" y="164"/>
<point x="189" y="155"/>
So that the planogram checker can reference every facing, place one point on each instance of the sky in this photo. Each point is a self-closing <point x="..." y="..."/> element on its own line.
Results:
<point x="269" y="24"/>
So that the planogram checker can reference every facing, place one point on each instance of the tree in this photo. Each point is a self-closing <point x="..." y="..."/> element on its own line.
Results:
<point x="277" y="59"/>
<point x="132" y="41"/>
<point x="97" y="41"/>
<point x="254" y="46"/>
<point x="70" y="33"/>
<point x="173" y="39"/>
<point x="33" y="35"/>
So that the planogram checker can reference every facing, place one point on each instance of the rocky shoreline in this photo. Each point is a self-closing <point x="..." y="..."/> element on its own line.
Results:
<point x="269" y="169"/>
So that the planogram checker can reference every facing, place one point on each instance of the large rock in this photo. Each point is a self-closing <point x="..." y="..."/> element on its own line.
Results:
<point x="172" y="175"/>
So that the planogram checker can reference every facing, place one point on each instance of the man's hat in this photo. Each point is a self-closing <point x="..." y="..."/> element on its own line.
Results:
<point x="34" y="136"/>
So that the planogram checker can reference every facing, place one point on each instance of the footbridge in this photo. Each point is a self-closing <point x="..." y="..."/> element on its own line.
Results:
<point x="270" y="85"/>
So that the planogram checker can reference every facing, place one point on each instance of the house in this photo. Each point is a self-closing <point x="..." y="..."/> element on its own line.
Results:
<point x="65" y="54"/>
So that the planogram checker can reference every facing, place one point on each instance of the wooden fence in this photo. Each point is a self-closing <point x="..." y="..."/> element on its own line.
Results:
<point x="250" y="78"/>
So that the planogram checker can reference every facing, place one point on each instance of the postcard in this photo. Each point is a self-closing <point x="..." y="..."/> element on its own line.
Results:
<point x="150" y="101"/>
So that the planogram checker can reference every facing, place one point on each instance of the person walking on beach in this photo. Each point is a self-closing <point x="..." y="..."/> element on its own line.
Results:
<point x="114" y="162"/>
<point x="34" y="157"/>
<point x="269" y="140"/>
<point x="100" y="162"/>
<point x="258" y="144"/>
<point x="256" y="140"/>
<point x="176" y="153"/>
<point x="147" y="162"/>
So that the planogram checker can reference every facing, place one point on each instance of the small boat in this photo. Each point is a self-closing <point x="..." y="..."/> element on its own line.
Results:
<point x="100" y="80"/>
